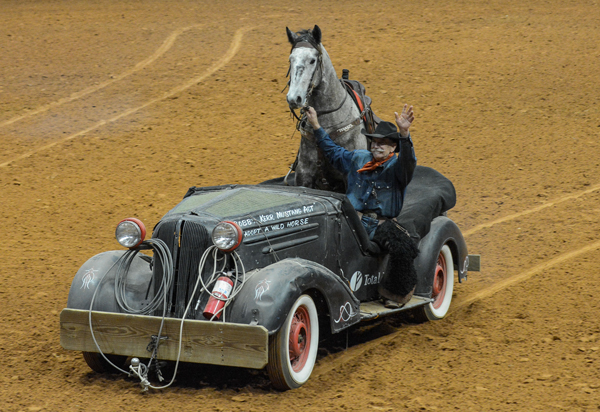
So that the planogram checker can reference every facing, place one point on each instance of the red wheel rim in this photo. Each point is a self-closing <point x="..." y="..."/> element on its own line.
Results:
<point x="299" y="339"/>
<point x="439" y="281"/>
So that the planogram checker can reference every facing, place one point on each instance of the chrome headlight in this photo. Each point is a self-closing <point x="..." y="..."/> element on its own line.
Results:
<point x="130" y="232"/>
<point x="227" y="236"/>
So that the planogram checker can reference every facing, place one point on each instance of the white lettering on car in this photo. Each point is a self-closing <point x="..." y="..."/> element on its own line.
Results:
<point x="372" y="279"/>
<point x="252" y="232"/>
<point x="278" y="226"/>
<point x="278" y="215"/>
<point x="266" y="218"/>
<point x="245" y="222"/>
<point x="288" y="213"/>
<point x="297" y="222"/>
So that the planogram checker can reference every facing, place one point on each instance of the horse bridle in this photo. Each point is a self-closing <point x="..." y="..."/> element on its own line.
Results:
<point x="309" y="42"/>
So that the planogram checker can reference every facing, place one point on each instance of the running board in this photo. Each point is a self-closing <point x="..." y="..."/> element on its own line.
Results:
<point x="375" y="308"/>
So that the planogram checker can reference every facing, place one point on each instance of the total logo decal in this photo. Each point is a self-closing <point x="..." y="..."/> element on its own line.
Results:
<point x="358" y="278"/>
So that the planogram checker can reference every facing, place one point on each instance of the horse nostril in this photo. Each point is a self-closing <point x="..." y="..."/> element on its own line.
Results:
<point x="298" y="99"/>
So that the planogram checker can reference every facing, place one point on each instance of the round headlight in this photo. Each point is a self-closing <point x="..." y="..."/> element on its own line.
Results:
<point x="227" y="236"/>
<point x="130" y="232"/>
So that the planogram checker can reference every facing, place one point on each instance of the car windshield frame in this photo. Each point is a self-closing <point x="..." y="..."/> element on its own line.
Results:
<point x="240" y="201"/>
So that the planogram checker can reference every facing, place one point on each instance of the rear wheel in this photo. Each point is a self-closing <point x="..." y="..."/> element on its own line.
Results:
<point x="98" y="364"/>
<point x="443" y="286"/>
<point x="293" y="349"/>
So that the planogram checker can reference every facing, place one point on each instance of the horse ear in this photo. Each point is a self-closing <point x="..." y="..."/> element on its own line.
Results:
<point x="316" y="32"/>
<point x="291" y="36"/>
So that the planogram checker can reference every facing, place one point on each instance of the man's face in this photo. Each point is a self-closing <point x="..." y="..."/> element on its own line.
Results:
<point x="381" y="148"/>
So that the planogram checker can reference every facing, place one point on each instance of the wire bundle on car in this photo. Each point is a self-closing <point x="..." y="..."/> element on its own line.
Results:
<point x="123" y="264"/>
<point x="163" y="254"/>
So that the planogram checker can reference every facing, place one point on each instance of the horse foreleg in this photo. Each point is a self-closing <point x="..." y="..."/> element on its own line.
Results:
<point x="308" y="168"/>
<point x="305" y="175"/>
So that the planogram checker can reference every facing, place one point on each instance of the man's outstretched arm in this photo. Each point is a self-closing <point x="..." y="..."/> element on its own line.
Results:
<point x="339" y="157"/>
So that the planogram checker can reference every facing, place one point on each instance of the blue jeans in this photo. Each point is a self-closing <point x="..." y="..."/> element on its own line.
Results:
<point x="370" y="225"/>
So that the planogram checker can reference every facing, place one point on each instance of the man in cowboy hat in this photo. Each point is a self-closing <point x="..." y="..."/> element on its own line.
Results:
<point x="377" y="181"/>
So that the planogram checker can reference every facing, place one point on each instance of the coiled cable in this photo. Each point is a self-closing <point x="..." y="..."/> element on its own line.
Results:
<point x="163" y="254"/>
<point x="123" y="264"/>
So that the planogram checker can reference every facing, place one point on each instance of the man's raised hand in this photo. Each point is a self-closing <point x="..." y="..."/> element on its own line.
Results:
<point x="404" y="120"/>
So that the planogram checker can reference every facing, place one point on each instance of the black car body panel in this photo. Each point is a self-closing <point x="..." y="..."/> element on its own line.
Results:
<point x="269" y="294"/>
<point x="296" y="241"/>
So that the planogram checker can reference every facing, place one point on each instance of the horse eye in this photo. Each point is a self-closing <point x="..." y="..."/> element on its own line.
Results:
<point x="312" y="61"/>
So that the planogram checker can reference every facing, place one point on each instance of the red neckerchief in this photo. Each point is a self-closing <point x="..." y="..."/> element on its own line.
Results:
<point x="372" y="165"/>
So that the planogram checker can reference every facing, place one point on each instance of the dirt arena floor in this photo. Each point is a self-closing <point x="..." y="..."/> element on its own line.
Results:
<point x="111" y="109"/>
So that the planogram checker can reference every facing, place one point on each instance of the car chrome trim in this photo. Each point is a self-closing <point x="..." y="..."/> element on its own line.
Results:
<point x="283" y="245"/>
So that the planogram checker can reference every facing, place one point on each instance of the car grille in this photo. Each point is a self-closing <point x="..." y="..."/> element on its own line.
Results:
<point x="187" y="240"/>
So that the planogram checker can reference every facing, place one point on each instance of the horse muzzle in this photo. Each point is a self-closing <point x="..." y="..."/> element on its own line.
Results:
<point x="295" y="101"/>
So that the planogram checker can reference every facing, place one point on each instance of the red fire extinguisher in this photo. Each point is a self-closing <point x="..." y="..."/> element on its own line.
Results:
<point x="222" y="289"/>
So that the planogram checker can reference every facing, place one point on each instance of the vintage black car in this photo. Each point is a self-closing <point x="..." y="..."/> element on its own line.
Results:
<point x="248" y="275"/>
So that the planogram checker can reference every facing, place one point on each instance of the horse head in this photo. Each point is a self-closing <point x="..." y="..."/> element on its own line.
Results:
<point x="305" y="65"/>
<point x="313" y="82"/>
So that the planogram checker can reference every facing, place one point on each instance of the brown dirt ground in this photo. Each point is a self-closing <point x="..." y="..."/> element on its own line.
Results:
<point x="110" y="109"/>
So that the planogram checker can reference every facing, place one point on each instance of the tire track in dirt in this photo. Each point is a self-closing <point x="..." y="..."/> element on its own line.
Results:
<point x="489" y="291"/>
<point x="513" y="280"/>
<point x="356" y="352"/>
<point x="167" y="44"/>
<point x="231" y="52"/>
<point x="554" y="202"/>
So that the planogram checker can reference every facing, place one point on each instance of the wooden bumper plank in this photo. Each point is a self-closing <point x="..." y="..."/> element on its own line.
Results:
<point x="214" y="343"/>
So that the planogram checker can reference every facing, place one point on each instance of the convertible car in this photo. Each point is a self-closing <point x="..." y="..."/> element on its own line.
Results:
<point x="250" y="276"/>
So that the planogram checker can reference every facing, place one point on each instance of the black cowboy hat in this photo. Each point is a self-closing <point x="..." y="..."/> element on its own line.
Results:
<point x="385" y="130"/>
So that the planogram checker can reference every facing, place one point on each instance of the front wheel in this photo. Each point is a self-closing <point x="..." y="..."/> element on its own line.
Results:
<point x="293" y="349"/>
<point x="97" y="363"/>
<point x="443" y="286"/>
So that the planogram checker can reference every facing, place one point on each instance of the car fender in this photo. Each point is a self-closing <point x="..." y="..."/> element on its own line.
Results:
<point x="97" y="275"/>
<point x="443" y="231"/>
<point x="268" y="295"/>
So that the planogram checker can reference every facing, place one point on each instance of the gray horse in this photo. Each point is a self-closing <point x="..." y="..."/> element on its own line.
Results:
<point x="313" y="82"/>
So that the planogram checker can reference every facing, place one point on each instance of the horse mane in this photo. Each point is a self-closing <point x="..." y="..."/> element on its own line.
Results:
<point x="304" y="35"/>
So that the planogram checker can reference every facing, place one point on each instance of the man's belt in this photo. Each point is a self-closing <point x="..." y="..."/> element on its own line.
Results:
<point x="372" y="214"/>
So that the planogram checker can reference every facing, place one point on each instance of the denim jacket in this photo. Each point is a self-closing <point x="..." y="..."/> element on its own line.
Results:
<point x="381" y="190"/>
